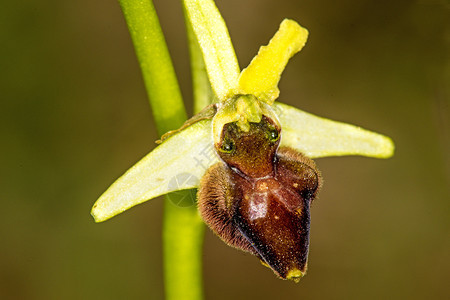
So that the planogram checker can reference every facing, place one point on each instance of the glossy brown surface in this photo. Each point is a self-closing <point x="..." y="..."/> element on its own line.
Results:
<point x="258" y="200"/>
<point x="252" y="152"/>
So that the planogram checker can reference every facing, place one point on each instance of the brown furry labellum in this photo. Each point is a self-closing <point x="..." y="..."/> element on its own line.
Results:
<point x="259" y="199"/>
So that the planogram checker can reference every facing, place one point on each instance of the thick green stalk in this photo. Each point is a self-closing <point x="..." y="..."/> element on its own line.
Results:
<point x="183" y="241"/>
<point x="183" y="229"/>
<point x="156" y="66"/>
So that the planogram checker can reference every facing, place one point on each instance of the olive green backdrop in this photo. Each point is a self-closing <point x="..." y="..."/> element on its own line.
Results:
<point x="74" y="116"/>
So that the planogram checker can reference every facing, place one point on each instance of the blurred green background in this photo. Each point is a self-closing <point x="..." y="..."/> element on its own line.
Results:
<point x="74" y="116"/>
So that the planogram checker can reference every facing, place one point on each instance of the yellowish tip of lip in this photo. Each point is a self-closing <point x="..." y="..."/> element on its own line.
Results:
<point x="295" y="275"/>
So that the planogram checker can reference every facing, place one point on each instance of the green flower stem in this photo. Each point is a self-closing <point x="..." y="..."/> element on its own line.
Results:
<point x="183" y="229"/>
<point x="183" y="241"/>
<point x="156" y="66"/>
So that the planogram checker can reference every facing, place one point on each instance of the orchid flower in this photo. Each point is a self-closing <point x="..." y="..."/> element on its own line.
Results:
<point x="244" y="114"/>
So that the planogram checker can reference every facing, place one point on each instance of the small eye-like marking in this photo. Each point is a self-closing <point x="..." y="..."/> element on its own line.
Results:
<point x="228" y="146"/>
<point x="273" y="135"/>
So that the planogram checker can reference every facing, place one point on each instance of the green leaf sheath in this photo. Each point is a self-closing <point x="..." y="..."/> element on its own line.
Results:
<point x="183" y="229"/>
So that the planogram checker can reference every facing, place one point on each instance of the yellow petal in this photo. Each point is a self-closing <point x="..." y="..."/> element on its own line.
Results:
<point x="177" y="164"/>
<point x="261" y="77"/>
<point x="218" y="53"/>
<point x="320" y="137"/>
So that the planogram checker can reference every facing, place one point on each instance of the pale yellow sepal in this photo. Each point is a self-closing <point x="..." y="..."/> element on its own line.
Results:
<point x="189" y="152"/>
<point x="261" y="77"/>
<point x="319" y="137"/>
<point x="218" y="52"/>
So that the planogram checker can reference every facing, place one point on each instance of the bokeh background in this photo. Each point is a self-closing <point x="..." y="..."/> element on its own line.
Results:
<point x="74" y="116"/>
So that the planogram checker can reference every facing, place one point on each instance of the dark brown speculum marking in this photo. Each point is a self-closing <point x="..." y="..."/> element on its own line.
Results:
<point x="259" y="199"/>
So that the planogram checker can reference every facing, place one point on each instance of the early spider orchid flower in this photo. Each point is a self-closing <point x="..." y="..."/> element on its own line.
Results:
<point x="249" y="157"/>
